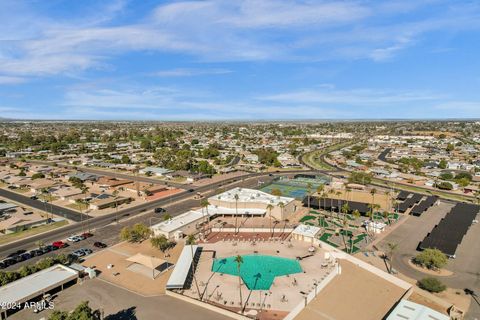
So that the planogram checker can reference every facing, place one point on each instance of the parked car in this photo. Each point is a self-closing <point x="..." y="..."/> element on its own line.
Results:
<point x="46" y="249"/>
<point x="75" y="238"/>
<point x="160" y="210"/>
<point x="99" y="244"/>
<point x="35" y="252"/>
<point x="9" y="261"/>
<point x="86" y="251"/>
<point x="33" y="197"/>
<point x="78" y="253"/>
<point x="86" y="235"/>
<point x="51" y="248"/>
<point x="16" y="253"/>
<point x="25" y="256"/>
<point x="60" y="244"/>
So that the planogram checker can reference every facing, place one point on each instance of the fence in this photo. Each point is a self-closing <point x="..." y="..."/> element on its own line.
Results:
<point x="308" y="298"/>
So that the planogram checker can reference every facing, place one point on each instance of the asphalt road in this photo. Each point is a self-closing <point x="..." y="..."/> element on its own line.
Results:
<point x="97" y="222"/>
<point x="109" y="233"/>
<point x="48" y="207"/>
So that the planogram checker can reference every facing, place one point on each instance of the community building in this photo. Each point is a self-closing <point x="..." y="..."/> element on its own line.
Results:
<point x="253" y="200"/>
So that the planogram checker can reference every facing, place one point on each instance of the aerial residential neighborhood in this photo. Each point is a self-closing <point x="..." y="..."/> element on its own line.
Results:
<point x="247" y="160"/>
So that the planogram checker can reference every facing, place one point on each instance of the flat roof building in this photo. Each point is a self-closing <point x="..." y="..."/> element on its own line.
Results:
<point x="35" y="285"/>
<point x="251" y="199"/>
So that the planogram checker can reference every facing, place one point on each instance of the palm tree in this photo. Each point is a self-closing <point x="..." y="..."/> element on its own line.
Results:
<point x="115" y="195"/>
<point x="338" y="194"/>
<point x="282" y="206"/>
<point x="204" y="203"/>
<point x="309" y="191"/>
<point x="269" y="209"/>
<point x="191" y="242"/>
<point x="331" y="192"/>
<point x="392" y="247"/>
<point x="373" y="192"/>
<point x="285" y="225"/>
<point x="236" y="211"/>
<point x="320" y="189"/>
<point x="239" y="261"/>
<point x="84" y="190"/>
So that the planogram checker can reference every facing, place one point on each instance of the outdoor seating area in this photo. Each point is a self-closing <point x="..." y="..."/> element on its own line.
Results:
<point x="273" y="276"/>
<point x="137" y="267"/>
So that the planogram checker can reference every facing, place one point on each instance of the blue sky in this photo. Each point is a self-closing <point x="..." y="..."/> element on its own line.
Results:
<point x="242" y="59"/>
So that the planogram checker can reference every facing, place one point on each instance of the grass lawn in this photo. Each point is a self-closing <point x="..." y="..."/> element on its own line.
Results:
<point x="306" y="218"/>
<point x="30" y="232"/>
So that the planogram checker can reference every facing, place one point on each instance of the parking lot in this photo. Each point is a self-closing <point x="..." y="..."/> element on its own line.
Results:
<point x="117" y="303"/>
<point x="466" y="265"/>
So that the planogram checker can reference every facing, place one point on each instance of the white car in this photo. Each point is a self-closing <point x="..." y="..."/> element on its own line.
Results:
<point x="74" y="239"/>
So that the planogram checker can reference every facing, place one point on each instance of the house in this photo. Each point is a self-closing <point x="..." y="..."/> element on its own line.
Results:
<point x="110" y="202"/>
<point x="38" y="185"/>
<point x="83" y="176"/>
<point x="189" y="176"/>
<point x="110" y="182"/>
<point x="67" y="192"/>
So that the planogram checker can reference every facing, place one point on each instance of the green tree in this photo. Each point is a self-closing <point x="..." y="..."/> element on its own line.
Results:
<point x="431" y="284"/>
<point x="38" y="175"/>
<point x="431" y="259"/>
<point x="138" y="233"/>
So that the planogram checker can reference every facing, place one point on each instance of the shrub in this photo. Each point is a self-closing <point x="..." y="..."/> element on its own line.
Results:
<point x="431" y="259"/>
<point x="431" y="284"/>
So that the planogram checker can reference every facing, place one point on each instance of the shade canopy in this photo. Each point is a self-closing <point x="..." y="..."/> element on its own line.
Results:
<point x="147" y="261"/>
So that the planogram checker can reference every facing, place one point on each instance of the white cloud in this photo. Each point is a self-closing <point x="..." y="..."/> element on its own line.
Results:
<point x="11" y="80"/>
<point x="356" y="97"/>
<point x="181" y="72"/>
<point x="223" y="30"/>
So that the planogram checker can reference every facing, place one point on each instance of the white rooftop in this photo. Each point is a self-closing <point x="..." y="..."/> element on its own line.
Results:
<point x="306" y="230"/>
<point x="35" y="284"/>
<point x="251" y="195"/>
<point x="407" y="310"/>
<point x="213" y="210"/>
<point x="179" y="221"/>
<point x="180" y="272"/>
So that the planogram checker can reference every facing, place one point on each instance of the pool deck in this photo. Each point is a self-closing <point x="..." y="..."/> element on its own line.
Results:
<point x="285" y="292"/>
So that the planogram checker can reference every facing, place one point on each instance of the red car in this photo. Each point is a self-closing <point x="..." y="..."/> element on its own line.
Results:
<point x="87" y="235"/>
<point x="59" y="244"/>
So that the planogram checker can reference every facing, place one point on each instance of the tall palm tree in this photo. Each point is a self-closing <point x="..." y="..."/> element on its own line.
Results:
<point x="191" y="242"/>
<point x="331" y="192"/>
<point x="84" y="190"/>
<point x="115" y="195"/>
<point x="236" y="211"/>
<point x="282" y="206"/>
<point x="269" y="209"/>
<point x="309" y="191"/>
<point x="392" y="247"/>
<point x="204" y="203"/>
<point x="320" y="190"/>
<point x="239" y="261"/>
<point x="373" y="192"/>
<point x="338" y="194"/>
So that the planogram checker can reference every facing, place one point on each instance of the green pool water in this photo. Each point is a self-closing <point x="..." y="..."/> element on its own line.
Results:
<point x="257" y="271"/>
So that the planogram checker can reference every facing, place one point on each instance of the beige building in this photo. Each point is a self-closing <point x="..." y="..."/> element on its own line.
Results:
<point x="243" y="199"/>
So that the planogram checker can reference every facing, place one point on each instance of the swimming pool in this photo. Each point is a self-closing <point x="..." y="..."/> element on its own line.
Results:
<point x="257" y="271"/>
